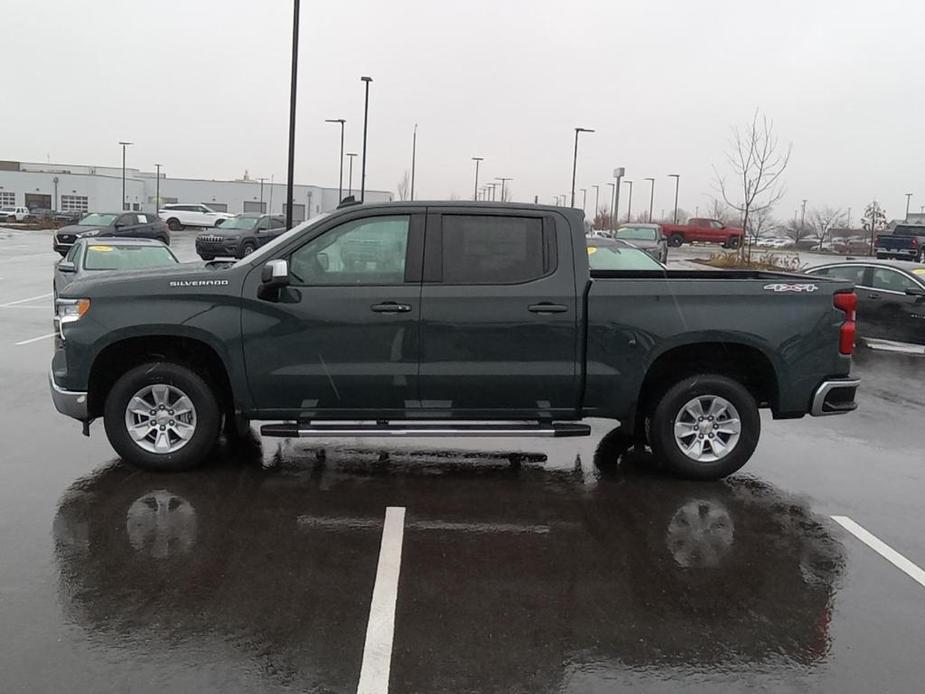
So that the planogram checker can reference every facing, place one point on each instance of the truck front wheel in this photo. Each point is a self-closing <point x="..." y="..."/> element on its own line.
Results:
<point x="162" y="416"/>
<point x="675" y="240"/>
<point x="705" y="427"/>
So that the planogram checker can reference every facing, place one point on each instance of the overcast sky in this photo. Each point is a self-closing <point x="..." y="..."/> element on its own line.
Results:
<point x="202" y="86"/>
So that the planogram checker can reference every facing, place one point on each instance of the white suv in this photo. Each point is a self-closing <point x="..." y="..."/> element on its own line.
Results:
<point x="14" y="214"/>
<point x="179" y="215"/>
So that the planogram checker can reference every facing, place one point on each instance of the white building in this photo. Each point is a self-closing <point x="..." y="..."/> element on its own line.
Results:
<point x="66" y="187"/>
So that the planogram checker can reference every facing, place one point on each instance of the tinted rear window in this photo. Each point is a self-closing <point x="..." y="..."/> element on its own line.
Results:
<point x="493" y="250"/>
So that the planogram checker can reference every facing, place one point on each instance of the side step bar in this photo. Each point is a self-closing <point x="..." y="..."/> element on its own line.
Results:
<point x="296" y="430"/>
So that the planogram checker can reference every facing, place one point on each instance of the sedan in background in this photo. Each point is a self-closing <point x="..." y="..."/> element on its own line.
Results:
<point x="891" y="299"/>
<point x="239" y="236"/>
<point x="611" y="254"/>
<point x="138" y="225"/>
<point x="89" y="257"/>
<point x="648" y="237"/>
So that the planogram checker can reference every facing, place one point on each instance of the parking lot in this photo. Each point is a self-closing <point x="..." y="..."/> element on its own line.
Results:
<point x="510" y="565"/>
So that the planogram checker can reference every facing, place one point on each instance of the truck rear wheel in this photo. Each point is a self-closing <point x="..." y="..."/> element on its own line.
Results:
<point x="162" y="416"/>
<point x="731" y="242"/>
<point x="705" y="427"/>
<point x="675" y="240"/>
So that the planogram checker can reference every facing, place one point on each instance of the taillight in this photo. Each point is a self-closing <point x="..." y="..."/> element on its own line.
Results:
<point x="848" y="303"/>
<point x="915" y="242"/>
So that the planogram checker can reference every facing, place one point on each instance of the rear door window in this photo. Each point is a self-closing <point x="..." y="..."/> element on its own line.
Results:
<point x="891" y="281"/>
<point x="854" y="273"/>
<point x="483" y="249"/>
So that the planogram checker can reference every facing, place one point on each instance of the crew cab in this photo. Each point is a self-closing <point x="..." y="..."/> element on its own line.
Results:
<point x="907" y="242"/>
<point x="179" y="215"/>
<point x="705" y="231"/>
<point x="449" y="319"/>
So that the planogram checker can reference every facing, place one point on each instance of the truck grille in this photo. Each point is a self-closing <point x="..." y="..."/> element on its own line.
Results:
<point x="66" y="238"/>
<point x="210" y="238"/>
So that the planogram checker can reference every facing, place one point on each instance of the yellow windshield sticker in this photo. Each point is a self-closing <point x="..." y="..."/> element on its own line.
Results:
<point x="592" y="250"/>
<point x="101" y="249"/>
<point x="919" y="271"/>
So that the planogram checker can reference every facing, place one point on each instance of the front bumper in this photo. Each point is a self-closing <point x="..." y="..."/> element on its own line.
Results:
<point x="68" y="402"/>
<point x="835" y="397"/>
<point x="217" y="248"/>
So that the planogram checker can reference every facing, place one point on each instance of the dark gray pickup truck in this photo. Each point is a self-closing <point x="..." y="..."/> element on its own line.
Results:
<point x="449" y="319"/>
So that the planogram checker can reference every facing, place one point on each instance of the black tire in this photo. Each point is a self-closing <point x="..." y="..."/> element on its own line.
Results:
<point x="174" y="224"/>
<point x="881" y="256"/>
<point x="207" y="257"/>
<point x="247" y="248"/>
<point x="669" y="407"/>
<point x="731" y="242"/>
<point x="208" y="416"/>
<point x="675" y="240"/>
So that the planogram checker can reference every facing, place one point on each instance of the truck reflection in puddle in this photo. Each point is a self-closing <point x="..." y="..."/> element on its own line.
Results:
<point x="513" y="578"/>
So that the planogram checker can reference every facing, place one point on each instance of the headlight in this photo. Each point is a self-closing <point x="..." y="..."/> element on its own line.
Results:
<point x="69" y="311"/>
<point x="85" y="234"/>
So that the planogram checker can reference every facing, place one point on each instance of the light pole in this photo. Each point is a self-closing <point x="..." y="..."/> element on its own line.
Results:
<point x="503" y="180"/>
<point x="292" y="94"/>
<point x="651" y="195"/>
<point x="491" y="187"/>
<point x="908" y="198"/>
<point x="613" y="187"/>
<point x="575" y="160"/>
<point x="414" y="155"/>
<point x="157" y="188"/>
<point x="677" y="184"/>
<point x="629" y="202"/>
<point x="597" y="199"/>
<point x="584" y="200"/>
<point x="367" y="80"/>
<point x="263" y="210"/>
<point x="124" y="145"/>
<point x="802" y="218"/>
<point x="340" y="179"/>
<point x="477" y="160"/>
<point x="351" y="156"/>
<point x="618" y="175"/>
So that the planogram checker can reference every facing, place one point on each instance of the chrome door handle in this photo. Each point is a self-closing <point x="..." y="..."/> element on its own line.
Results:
<point x="390" y="307"/>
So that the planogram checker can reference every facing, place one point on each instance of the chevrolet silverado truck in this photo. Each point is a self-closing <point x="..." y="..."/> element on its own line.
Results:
<point x="907" y="242"/>
<point x="448" y="319"/>
<point x="703" y="230"/>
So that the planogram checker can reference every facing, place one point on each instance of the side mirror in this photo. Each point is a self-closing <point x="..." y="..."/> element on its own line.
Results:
<point x="275" y="274"/>
<point x="67" y="266"/>
<point x="915" y="291"/>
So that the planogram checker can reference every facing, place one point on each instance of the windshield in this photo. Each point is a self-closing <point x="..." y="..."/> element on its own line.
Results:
<point x="112" y="257"/>
<point x="95" y="219"/>
<point x="242" y="223"/>
<point x="637" y="233"/>
<point x="281" y="239"/>
<point x="613" y="257"/>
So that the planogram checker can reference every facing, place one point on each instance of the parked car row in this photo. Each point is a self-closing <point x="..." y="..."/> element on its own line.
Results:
<point x="143" y="225"/>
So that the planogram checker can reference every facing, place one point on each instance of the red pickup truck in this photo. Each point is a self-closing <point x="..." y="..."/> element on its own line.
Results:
<point x="709" y="230"/>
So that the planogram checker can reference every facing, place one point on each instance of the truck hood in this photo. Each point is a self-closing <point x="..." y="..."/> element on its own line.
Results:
<point x="155" y="280"/>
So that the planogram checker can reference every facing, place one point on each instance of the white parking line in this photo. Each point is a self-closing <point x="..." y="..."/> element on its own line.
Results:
<point x="881" y="548"/>
<point x="26" y="301"/>
<point x="377" y="652"/>
<point x="36" y="339"/>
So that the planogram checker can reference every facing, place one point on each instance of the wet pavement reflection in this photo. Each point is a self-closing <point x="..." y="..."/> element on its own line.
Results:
<point x="516" y="576"/>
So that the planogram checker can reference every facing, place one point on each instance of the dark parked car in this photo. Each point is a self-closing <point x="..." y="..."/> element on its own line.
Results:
<point x="88" y="257"/>
<point x="891" y="297"/>
<point x="68" y="217"/>
<point x="142" y="225"/>
<point x="907" y="242"/>
<point x="450" y="319"/>
<point x="648" y="237"/>
<point x="239" y="236"/>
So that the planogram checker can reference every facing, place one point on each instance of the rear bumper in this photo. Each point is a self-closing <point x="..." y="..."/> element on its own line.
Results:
<point x="835" y="397"/>
<point x="897" y="252"/>
<point x="68" y="402"/>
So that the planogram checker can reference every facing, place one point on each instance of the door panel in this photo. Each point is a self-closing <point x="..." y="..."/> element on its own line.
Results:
<point x="342" y="341"/>
<point x="498" y="349"/>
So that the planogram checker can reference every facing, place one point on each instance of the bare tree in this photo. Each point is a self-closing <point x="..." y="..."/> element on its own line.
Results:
<point x="796" y="230"/>
<point x="874" y="220"/>
<point x="757" y="162"/>
<point x="601" y="219"/>
<point x="403" y="186"/>
<point x="823" y="219"/>
<point x="760" y="221"/>
<point x="718" y="210"/>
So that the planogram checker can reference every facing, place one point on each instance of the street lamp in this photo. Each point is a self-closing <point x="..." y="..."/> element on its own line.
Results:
<point x="491" y="187"/>
<point x="367" y="80"/>
<point x="124" y="145"/>
<point x="584" y="200"/>
<point x="597" y="198"/>
<point x="618" y="175"/>
<point x="503" y="180"/>
<point x="629" y="202"/>
<point x="651" y="195"/>
<point x="414" y="156"/>
<point x="475" y="195"/>
<point x="908" y="198"/>
<point x="613" y="188"/>
<point x="575" y="160"/>
<point x="157" y="188"/>
<point x="262" y="179"/>
<point x="677" y="183"/>
<point x="340" y="180"/>
<point x="351" y="156"/>
<point x="292" y="94"/>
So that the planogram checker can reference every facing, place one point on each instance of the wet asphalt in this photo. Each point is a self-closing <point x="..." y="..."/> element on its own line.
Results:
<point x="527" y="565"/>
